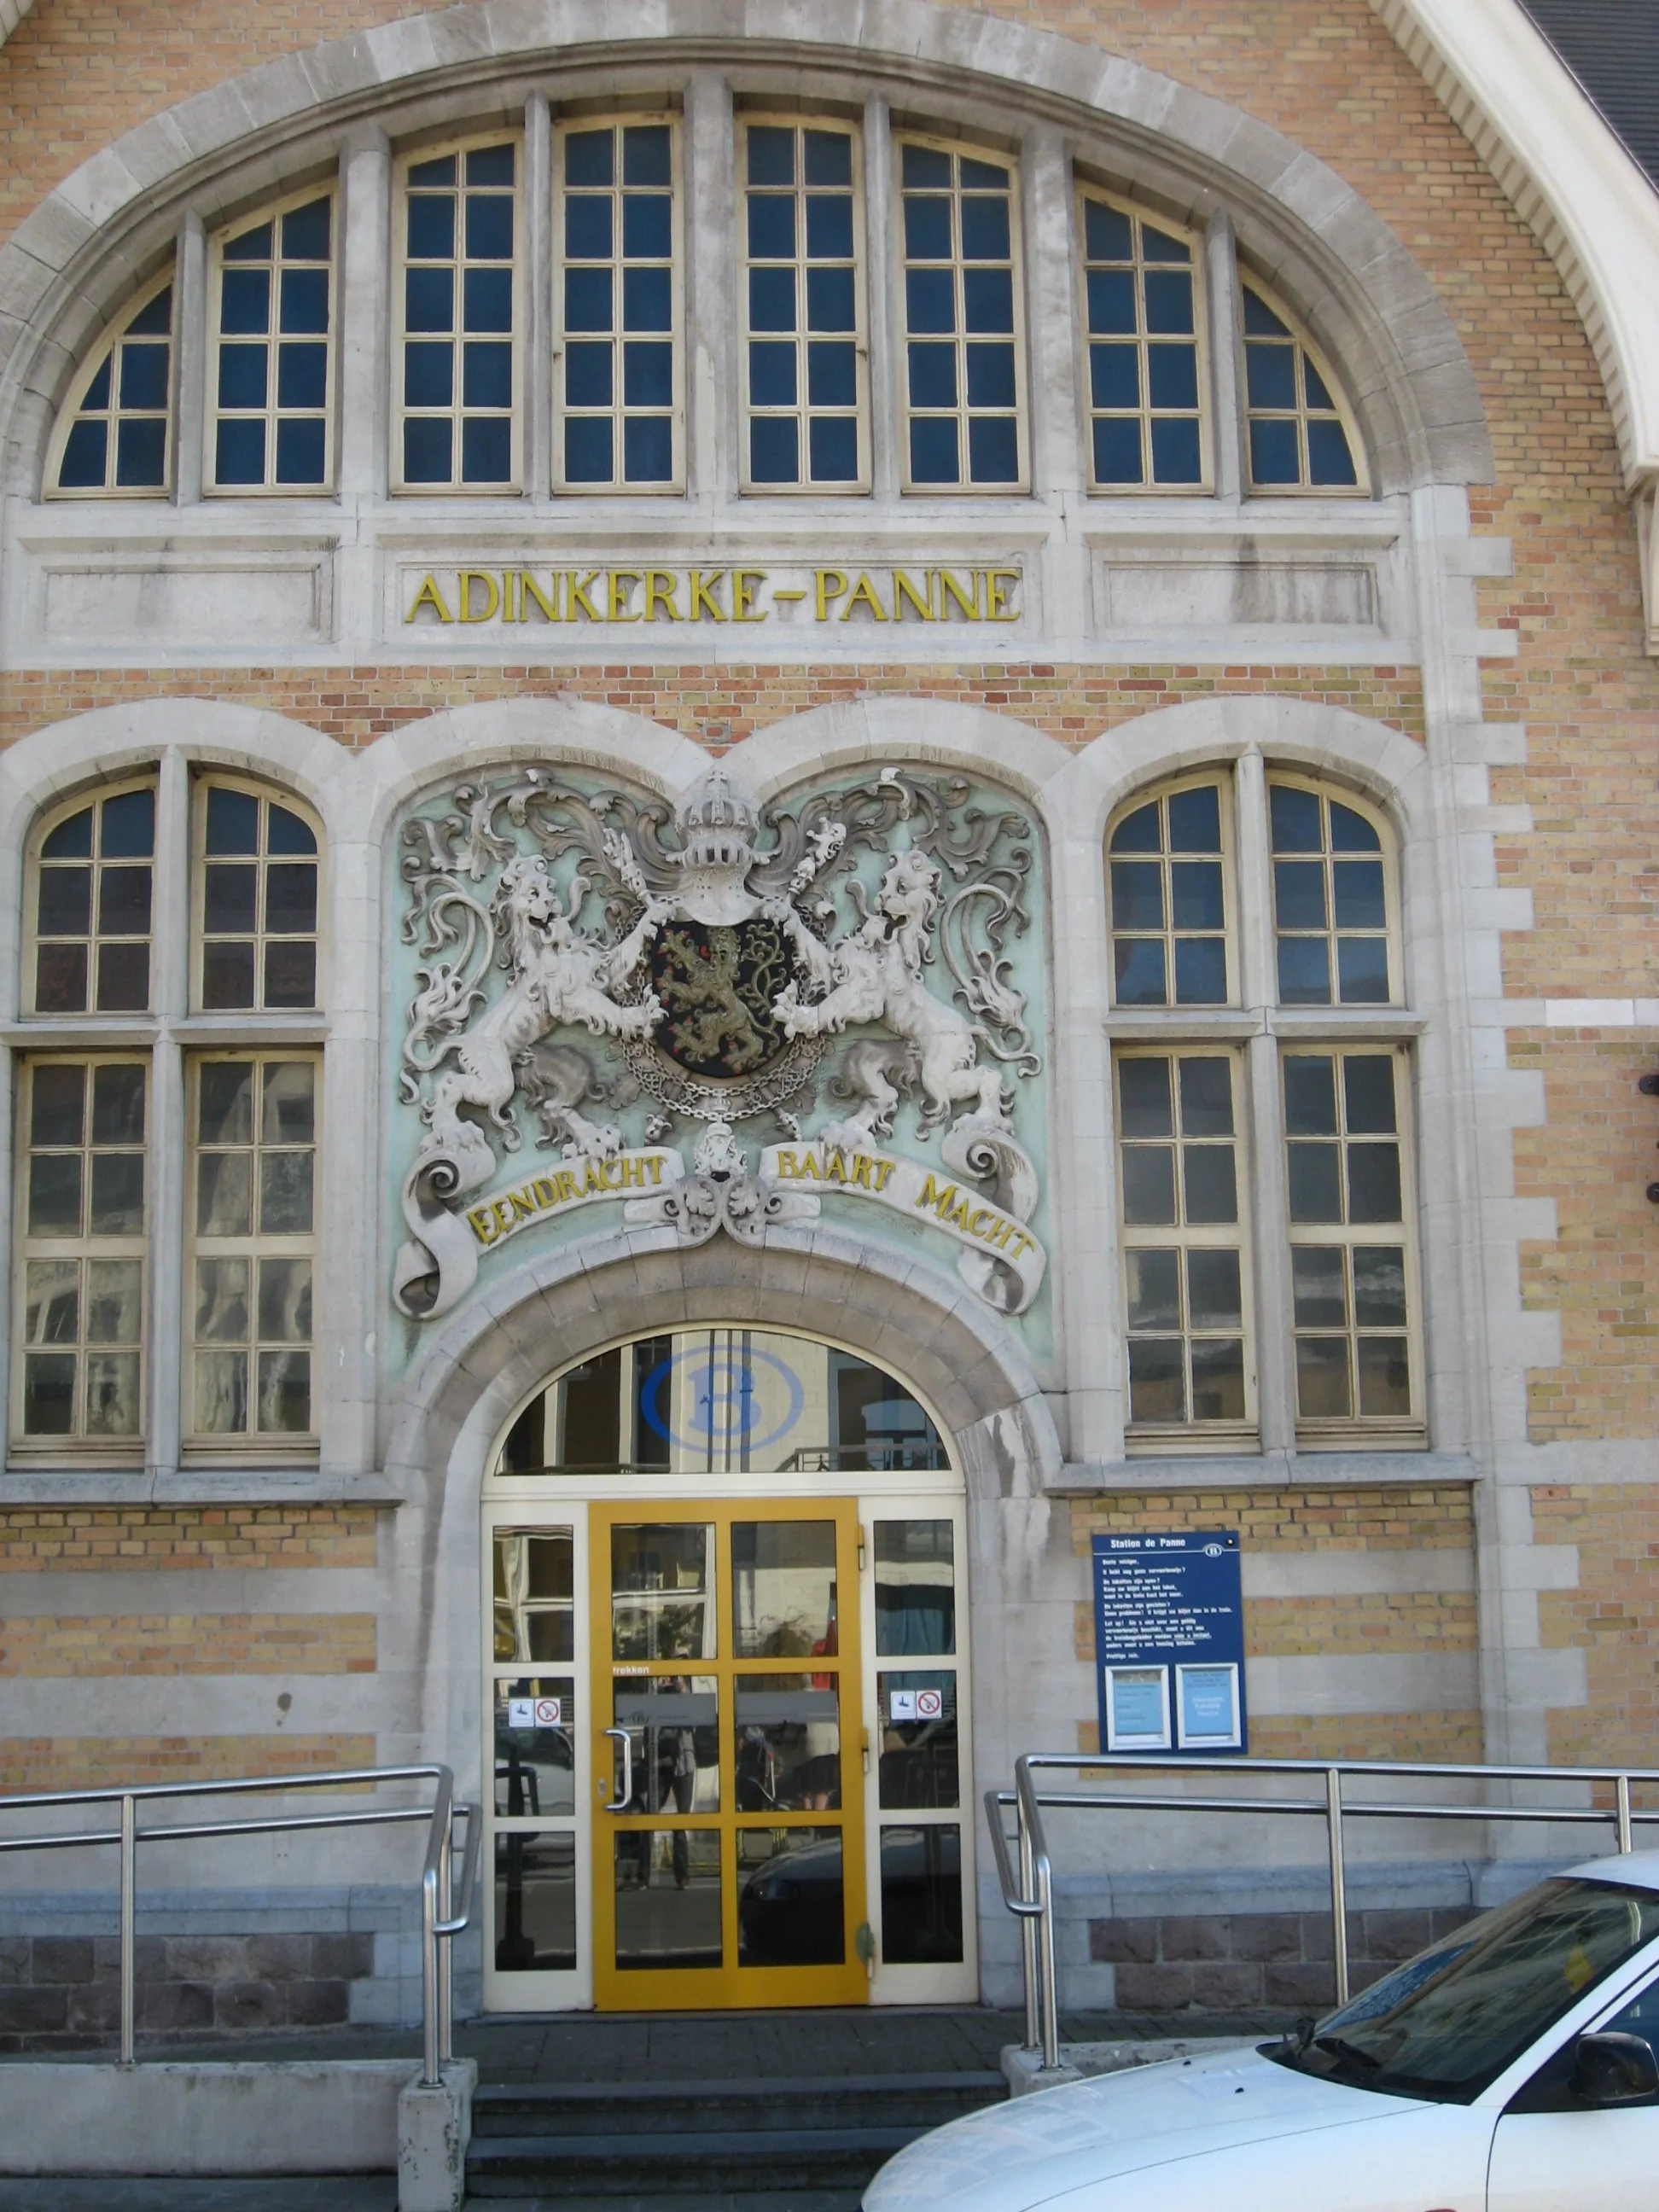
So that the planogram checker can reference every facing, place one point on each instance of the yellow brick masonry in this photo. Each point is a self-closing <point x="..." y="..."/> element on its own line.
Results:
<point x="1296" y="1627"/>
<point x="189" y="1643"/>
<point x="1612" y="1617"/>
<point x="29" y="1763"/>
<point x="149" y="1540"/>
<point x="1434" y="1517"/>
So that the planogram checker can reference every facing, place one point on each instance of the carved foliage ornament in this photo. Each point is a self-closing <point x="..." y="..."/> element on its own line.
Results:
<point x="811" y="970"/>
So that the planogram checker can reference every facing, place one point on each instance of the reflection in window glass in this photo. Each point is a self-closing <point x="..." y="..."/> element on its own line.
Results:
<point x="619" y="305"/>
<point x="253" y="1171"/>
<point x="783" y="1589"/>
<point x="1330" y="902"/>
<point x="1297" y="438"/>
<point x="916" y="1589"/>
<point x="674" y="1724"/>
<point x="81" y="1296"/>
<point x="120" y="436"/>
<point x="788" y="1743"/>
<point x="1349" y="1274"/>
<point x="535" y="1903"/>
<point x="791" y="1906"/>
<point x="457" y="310"/>
<point x="269" y="372"/>
<point x="964" y="378"/>
<point x="1182" y="1238"/>
<point x="802" y="306"/>
<point x="1169" y="902"/>
<point x="93" y="921"/>
<point x="919" y="1745"/>
<point x="1141" y="307"/>
<point x="535" y="1746"/>
<point x="533" y="1597"/>
<point x="921" y="1895"/>
<point x="662" y="1591"/>
<point x="257" y="901"/>
<point x="668" y="1898"/>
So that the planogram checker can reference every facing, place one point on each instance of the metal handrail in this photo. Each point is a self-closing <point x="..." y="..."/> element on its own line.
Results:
<point x="439" y="1922"/>
<point x="1031" y="1896"/>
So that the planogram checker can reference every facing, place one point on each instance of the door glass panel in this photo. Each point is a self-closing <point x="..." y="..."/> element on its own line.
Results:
<point x="918" y="1714"/>
<point x="922" y="1896"/>
<point x="791" y="1905"/>
<point x="536" y="1903"/>
<point x="662" y="1591"/>
<point x="668" y="1898"/>
<point x="788" y="1735"/>
<point x="673" y="1727"/>
<point x="783" y="1589"/>
<point x="916" y="1589"/>
<point x="534" y="1619"/>
<point x="535" y="1746"/>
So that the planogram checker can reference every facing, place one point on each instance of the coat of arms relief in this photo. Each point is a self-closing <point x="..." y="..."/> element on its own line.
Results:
<point x="785" y="993"/>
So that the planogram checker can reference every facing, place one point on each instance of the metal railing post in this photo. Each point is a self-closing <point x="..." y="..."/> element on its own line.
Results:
<point x="1028" y="1931"/>
<point x="1622" y="1786"/>
<point x="446" y="1951"/>
<point x="1339" y="1881"/>
<point x="429" y="2074"/>
<point x="128" y="1922"/>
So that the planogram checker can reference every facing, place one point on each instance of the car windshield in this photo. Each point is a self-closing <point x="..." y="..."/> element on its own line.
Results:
<point x="1449" y="2022"/>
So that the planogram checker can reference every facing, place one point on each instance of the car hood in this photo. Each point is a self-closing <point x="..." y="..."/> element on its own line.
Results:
<point x="1036" y="2147"/>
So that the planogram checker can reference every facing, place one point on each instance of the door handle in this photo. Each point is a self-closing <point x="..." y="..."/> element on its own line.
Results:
<point x="624" y="1796"/>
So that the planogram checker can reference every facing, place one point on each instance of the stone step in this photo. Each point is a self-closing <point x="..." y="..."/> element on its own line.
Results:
<point x="914" y="2100"/>
<point x="744" y="2161"/>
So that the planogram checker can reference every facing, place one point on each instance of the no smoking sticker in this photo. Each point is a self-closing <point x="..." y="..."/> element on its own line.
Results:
<point x="534" y="1712"/>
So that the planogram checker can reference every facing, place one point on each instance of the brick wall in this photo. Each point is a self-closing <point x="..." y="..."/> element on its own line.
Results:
<point x="92" y="1762"/>
<point x="189" y="1643"/>
<point x="1612" y="1617"/>
<point x="148" y="1539"/>
<point x="1403" y="1618"/>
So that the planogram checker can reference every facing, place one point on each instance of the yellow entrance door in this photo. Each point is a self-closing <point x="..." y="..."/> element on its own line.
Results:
<point x="728" y="1856"/>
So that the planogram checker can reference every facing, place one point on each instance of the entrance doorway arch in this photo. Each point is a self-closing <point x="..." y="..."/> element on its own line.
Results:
<point x="727" y="1704"/>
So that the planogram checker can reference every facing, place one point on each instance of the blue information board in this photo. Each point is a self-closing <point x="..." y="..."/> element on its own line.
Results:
<point x="1169" y="1643"/>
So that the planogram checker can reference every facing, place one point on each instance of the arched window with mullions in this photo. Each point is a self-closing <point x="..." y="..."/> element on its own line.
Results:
<point x="1334" y="902"/>
<point x="114" y="436"/>
<point x="270" y="351"/>
<point x="1300" y="433"/>
<point x="1168" y="863"/>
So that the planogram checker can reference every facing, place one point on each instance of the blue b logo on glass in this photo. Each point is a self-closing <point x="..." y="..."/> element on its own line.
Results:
<point x="731" y="1397"/>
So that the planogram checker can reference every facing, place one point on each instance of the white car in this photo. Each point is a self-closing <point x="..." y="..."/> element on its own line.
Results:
<point x="1509" y="2068"/>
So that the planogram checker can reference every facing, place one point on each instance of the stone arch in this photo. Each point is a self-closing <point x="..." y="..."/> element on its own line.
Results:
<point x="66" y="267"/>
<point x="904" y="1315"/>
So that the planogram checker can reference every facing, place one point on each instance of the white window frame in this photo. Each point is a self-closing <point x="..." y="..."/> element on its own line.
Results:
<point x="965" y="488"/>
<point x="1392" y="934"/>
<point x="1152" y="1438"/>
<point x="91" y="796"/>
<point x="1406" y="1432"/>
<point x="780" y="119"/>
<point x="273" y="213"/>
<point x="266" y="1446"/>
<point x="268" y="795"/>
<point x="398" y="485"/>
<point x="1160" y="793"/>
<point x="104" y="350"/>
<point x="1361" y="487"/>
<point x="619" y="487"/>
<point x="78" y="1444"/>
<point x="1203" y="487"/>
